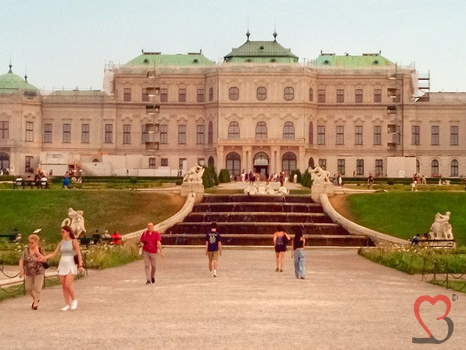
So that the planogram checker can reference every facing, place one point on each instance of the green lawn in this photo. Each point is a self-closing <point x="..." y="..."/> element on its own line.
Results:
<point x="114" y="210"/>
<point x="404" y="214"/>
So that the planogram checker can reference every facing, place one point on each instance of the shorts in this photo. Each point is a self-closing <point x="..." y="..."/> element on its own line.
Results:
<point x="213" y="255"/>
<point x="280" y="248"/>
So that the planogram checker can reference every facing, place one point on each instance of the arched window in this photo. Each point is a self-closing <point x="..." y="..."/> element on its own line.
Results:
<point x="261" y="158"/>
<point x="4" y="162"/>
<point x="311" y="163"/>
<point x="211" y="162"/>
<point x="434" y="168"/>
<point x="311" y="94"/>
<point x="288" y="131"/>
<point x="288" y="162"/>
<point x="211" y="94"/>
<point x="210" y="134"/>
<point x="261" y="93"/>
<point x="261" y="131"/>
<point x="311" y="133"/>
<point x="233" y="130"/>
<point x="454" y="168"/>
<point x="288" y="93"/>
<point x="233" y="163"/>
<point x="234" y="93"/>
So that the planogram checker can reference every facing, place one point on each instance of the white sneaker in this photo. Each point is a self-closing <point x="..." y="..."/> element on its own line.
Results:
<point x="214" y="273"/>
<point x="74" y="304"/>
<point x="66" y="308"/>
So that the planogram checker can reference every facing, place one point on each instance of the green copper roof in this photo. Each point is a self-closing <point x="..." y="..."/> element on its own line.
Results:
<point x="151" y="58"/>
<point x="261" y="52"/>
<point x="11" y="82"/>
<point x="365" y="60"/>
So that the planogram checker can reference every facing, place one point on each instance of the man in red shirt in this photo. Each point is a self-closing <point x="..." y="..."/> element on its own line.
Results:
<point x="151" y="243"/>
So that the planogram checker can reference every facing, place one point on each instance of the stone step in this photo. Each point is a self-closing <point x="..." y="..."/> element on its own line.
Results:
<point x="258" y="217"/>
<point x="242" y="198"/>
<point x="267" y="240"/>
<point x="259" y="207"/>
<point x="246" y="228"/>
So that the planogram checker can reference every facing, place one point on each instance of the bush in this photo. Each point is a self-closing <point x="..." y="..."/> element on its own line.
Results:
<point x="209" y="178"/>
<point x="133" y="180"/>
<point x="390" y="182"/>
<point x="299" y="175"/>
<point x="306" y="179"/>
<point x="224" y="176"/>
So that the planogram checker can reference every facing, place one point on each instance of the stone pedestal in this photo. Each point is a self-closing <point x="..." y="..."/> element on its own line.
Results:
<point x="318" y="188"/>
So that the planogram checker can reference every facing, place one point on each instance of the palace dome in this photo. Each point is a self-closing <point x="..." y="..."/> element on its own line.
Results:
<point x="11" y="82"/>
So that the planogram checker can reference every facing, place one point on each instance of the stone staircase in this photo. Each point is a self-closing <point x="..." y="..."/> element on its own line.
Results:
<point x="252" y="220"/>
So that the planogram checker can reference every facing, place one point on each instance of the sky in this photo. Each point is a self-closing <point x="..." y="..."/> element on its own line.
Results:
<point x="64" y="44"/>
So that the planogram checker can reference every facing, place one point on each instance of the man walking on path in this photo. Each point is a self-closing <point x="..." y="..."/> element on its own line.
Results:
<point x="213" y="246"/>
<point x="151" y="243"/>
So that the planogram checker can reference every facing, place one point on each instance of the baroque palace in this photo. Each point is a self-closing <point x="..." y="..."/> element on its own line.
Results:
<point x="260" y="109"/>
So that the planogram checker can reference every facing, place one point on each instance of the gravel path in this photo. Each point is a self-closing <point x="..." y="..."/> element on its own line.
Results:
<point x="346" y="302"/>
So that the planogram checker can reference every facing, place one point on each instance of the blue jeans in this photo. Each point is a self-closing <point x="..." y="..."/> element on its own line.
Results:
<point x="299" y="258"/>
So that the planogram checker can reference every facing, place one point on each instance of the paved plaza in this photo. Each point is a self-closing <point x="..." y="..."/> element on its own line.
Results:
<point x="345" y="302"/>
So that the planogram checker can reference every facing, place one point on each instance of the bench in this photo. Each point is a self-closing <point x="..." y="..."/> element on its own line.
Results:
<point x="30" y="183"/>
<point x="437" y="243"/>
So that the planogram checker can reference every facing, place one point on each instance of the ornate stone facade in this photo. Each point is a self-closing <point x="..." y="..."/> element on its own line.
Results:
<point x="260" y="109"/>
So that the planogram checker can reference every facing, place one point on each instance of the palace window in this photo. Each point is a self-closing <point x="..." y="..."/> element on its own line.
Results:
<point x="288" y="131"/>
<point x="320" y="134"/>
<point x="152" y="163"/>
<point x="454" y="168"/>
<point x="289" y="162"/>
<point x="108" y="133"/>
<point x="233" y="163"/>
<point x="182" y="134"/>
<point x="341" y="166"/>
<point x="127" y="94"/>
<point x="163" y="161"/>
<point x="311" y="94"/>
<point x="145" y="95"/>
<point x="377" y="135"/>
<point x="340" y="135"/>
<point x="200" y="95"/>
<point x="84" y="133"/>
<point x="4" y="130"/>
<point x="415" y="135"/>
<point x="126" y="134"/>
<point x="321" y="96"/>
<point x="454" y="135"/>
<point x="288" y="93"/>
<point x="233" y="130"/>
<point x="377" y="95"/>
<point x="164" y="134"/>
<point x="210" y="134"/>
<point x="47" y="133"/>
<point x="434" y="168"/>
<point x="164" y="95"/>
<point x="144" y="134"/>
<point x="379" y="167"/>
<point x="323" y="163"/>
<point x="311" y="133"/>
<point x="29" y="131"/>
<point x="234" y="93"/>
<point x="27" y="164"/>
<point x="211" y="94"/>
<point x="261" y="131"/>
<point x="358" y="96"/>
<point x="200" y="135"/>
<point x="359" y="166"/>
<point x="182" y="95"/>
<point x="261" y="93"/>
<point x="66" y="133"/>
<point x="340" y="95"/>
<point x="435" y="141"/>
<point x="358" y="138"/>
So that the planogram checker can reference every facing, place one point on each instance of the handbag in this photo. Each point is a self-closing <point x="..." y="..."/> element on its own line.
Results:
<point x="45" y="265"/>
<point x="76" y="260"/>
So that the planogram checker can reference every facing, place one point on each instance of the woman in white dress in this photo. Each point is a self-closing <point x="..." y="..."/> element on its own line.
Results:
<point x="67" y="269"/>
